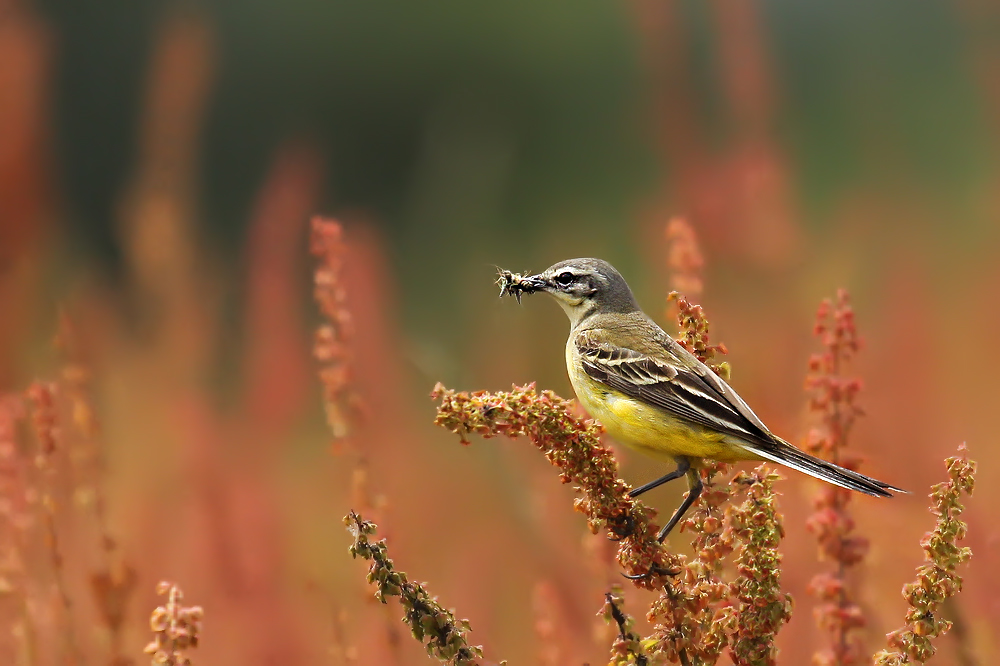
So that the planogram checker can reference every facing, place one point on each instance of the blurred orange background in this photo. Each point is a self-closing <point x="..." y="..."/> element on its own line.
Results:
<point x="159" y="163"/>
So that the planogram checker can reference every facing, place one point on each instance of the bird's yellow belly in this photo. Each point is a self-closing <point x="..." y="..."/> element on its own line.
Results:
<point x="651" y="430"/>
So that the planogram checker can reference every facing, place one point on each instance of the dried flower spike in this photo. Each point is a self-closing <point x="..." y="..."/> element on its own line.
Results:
<point x="332" y="344"/>
<point x="684" y="258"/>
<point x="45" y="421"/>
<point x="574" y="446"/>
<point x="694" y="334"/>
<point x="760" y="607"/>
<point x="937" y="580"/>
<point x="833" y="401"/>
<point x="444" y="636"/>
<point x="113" y="584"/>
<point x="176" y="628"/>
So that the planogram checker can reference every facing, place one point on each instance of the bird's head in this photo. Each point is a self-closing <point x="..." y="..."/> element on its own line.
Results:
<point x="581" y="286"/>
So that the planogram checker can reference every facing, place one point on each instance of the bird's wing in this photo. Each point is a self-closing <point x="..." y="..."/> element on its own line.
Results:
<point x="667" y="376"/>
<point x="659" y="372"/>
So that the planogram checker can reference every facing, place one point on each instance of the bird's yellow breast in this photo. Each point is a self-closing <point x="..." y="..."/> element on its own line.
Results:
<point x="645" y="428"/>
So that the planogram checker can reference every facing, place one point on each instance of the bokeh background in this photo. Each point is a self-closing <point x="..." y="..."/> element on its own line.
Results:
<point x="159" y="162"/>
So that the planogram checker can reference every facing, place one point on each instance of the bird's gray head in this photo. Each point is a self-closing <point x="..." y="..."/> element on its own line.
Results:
<point x="583" y="287"/>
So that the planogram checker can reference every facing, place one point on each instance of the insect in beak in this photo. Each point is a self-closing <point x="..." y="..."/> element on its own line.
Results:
<point x="515" y="284"/>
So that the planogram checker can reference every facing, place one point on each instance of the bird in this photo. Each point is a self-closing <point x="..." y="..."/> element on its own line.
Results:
<point x="653" y="395"/>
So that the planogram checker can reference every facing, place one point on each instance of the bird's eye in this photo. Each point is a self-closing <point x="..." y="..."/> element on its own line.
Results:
<point x="564" y="278"/>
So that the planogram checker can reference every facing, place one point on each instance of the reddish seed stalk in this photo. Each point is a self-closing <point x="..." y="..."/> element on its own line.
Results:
<point x="45" y="423"/>
<point x="15" y="520"/>
<point x="684" y="258"/>
<point x="332" y="345"/>
<point x="345" y="410"/>
<point x="833" y="401"/>
<point x="695" y="334"/>
<point x="549" y="626"/>
<point x="113" y="584"/>
<point x="686" y="263"/>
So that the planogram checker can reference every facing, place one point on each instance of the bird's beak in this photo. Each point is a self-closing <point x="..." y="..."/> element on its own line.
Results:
<point x="533" y="283"/>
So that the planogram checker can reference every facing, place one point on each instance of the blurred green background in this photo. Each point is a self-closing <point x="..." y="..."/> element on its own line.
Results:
<point x="159" y="162"/>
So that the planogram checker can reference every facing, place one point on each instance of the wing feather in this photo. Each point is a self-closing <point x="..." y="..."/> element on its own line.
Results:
<point x="663" y="374"/>
<point x="677" y="387"/>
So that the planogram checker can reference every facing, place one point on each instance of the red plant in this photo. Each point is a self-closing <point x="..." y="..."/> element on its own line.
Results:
<point x="833" y="401"/>
<point x="45" y="422"/>
<point x="332" y="343"/>
<point x="15" y="519"/>
<point x="114" y="582"/>
<point x="684" y="258"/>
<point x="685" y="261"/>
<point x="694" y="334"/>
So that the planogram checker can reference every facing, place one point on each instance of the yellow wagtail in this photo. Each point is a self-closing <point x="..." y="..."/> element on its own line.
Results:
<point x="652" y="394"/>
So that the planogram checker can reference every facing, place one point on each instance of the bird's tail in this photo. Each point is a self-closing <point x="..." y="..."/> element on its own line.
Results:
<point x="786" y="454"/>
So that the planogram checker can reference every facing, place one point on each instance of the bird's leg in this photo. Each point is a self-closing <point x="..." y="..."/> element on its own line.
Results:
<point x="683" y="465"/>
<point x="695" y="485"/>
